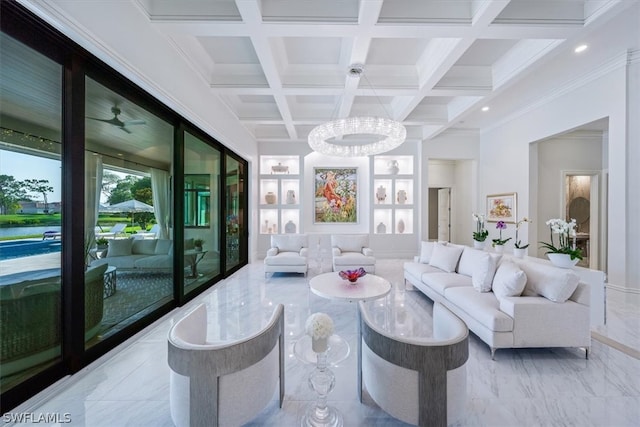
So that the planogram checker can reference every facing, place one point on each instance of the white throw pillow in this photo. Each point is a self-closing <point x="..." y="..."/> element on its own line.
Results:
<point x="445" y="257"/>
<point x="509" y="280"/>
<point x="469" y="260"/>
<point x="554" y="283"/>
<point x="426" y="249"/>
<point x="483" y="272"/>
<point x="119" y="247"/>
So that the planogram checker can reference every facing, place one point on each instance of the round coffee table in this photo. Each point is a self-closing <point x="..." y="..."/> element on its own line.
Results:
<point x="332" y="286"/>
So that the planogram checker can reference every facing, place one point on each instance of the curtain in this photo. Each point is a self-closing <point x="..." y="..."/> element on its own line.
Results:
<point x="92" y="191"/>
<point x="161" y="202"/>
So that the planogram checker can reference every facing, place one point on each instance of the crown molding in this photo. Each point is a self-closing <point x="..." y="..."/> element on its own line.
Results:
<point x="618" y="61"/>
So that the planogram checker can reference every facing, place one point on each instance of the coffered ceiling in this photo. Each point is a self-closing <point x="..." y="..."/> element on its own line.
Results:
<point x="280" y="66"/>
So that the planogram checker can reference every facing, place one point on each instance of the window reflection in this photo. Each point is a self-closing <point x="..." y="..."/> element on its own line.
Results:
<point x="197" y="200"/>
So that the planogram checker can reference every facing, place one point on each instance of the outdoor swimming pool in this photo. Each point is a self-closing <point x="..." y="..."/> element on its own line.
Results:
<point x="22" y="248"/>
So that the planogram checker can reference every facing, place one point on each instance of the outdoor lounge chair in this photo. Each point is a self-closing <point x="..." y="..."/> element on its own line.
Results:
<point x="114" y="232"/>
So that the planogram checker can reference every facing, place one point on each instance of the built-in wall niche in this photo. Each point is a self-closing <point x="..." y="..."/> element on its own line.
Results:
<point x="383" y="221"/>
<point x="280" y="165"/>
<point x="383" y="191"/>
<point x="403" y="221"/>
<point x="290" y="221"/>
<point x="403" y="192"/>
<point x="269" y="191"/>
<point x="290" y="191"/>
<point x="393" y="165"/>
<point x="269" y="223"/>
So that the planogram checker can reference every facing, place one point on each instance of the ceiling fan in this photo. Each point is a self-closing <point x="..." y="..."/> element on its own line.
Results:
<point x="115" y="121"/>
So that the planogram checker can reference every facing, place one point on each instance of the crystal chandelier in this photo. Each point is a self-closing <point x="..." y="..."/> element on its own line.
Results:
<point x="327" y="138"/>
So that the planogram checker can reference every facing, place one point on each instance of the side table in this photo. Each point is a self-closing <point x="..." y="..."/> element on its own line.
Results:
<point x="109" y="281"/>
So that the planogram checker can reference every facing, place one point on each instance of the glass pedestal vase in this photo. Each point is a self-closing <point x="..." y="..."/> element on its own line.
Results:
<point x="322" y="381"/>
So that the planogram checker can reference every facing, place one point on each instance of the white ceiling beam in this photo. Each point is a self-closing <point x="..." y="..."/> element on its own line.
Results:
<point x="252" y="16"/>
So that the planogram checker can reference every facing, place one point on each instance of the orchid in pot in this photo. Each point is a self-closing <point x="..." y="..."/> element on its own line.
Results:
<point x="480" y="235"/>
<point x="566" y="248"/>
<point x="520" y="249"/>
<point x="499" y="242"/>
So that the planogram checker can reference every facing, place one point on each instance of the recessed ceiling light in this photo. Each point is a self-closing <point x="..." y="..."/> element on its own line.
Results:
<point x="485" y="108"/>
<point x="581" y="48"/>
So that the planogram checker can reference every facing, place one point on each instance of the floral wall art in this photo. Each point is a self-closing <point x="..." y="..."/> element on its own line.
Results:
<point x="501" y="207"/>
<point x="336" y="195"/>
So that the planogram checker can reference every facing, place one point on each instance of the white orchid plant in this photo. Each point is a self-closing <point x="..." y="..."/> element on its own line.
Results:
<point x="319" y="326"/>
<point x="566" y="231"/>
<point x="518" y="244"/>
<point x="481" y="233"/>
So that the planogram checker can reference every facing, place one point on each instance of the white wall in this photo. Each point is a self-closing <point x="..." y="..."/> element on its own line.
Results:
<point x="603" y="97"/>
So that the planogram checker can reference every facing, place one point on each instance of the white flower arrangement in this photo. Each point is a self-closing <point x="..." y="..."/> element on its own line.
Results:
<point x="319" y="326"/>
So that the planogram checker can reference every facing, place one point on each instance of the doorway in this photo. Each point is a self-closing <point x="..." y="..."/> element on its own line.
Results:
<point x="581" y="201"/>
<point x="440" y="214"/>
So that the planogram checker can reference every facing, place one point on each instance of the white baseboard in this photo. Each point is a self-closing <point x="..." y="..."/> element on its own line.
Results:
<point x="622" y="289"/>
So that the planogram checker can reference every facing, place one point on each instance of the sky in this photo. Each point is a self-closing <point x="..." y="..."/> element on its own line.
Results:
<point x="23" y="166"/>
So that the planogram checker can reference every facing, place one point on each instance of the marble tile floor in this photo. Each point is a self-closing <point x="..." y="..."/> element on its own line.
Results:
<point x="524" y="387"/>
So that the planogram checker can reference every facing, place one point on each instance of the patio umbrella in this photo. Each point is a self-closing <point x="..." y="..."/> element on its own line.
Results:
<point x="132" y="206"/>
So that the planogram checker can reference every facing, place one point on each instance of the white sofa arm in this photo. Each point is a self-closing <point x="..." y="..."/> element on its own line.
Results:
<point x="416" y="258"/>
<point x="336" y="251"/>
<point x="304" y="252"/>
<point x="272" y="251"/>
<point x="367" y="251"/>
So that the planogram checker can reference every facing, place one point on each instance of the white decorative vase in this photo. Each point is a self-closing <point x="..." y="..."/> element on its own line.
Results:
<point x="499" y="249"/>
<point x="402" y="197"/>
<point x="562" y="260"/>
<point x="401" y="226"/>
<point x="393" y="167"/>
<point x="479" y="245"/>
<point x="381" y="194"/>
<point x="270" y="198"/>
<point x="290" y="227"/>
<point x="519" y="252"/>
<point x="291" y="197"/>
<point x="381" y="229"/>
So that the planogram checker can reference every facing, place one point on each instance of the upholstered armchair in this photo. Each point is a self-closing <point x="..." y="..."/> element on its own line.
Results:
<point x="351" y="251"/>
<point x="224" y="383"/>
<point x="289" y="253"/>
<point x="421" y="381"/>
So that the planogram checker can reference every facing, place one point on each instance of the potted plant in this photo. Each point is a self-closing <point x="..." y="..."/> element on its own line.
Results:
<point x="102" y="243"/>
<point x="520" y="249"/>
<point x="197" y="244"/>
<point x="480" y="235"/>
<point x="565" y="254"/>
<point x="498" y="243"/>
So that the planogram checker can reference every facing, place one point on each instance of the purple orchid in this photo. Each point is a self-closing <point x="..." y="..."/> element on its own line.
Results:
<point x="501" y="225"/>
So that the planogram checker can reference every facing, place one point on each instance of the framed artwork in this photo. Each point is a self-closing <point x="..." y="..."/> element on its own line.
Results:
<point x="336" y="195"/>
<point x="502" y="207"/>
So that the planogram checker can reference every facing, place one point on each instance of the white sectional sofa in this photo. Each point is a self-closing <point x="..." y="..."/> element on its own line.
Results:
<point x="138" y="254"/>
<point x="507" y="302"/>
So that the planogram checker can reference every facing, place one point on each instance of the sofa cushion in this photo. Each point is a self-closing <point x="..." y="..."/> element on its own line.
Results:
<point x="416" y="269"/>
<point x="155" y="262"/>
<point x="469" y="260"/>
<point x="288" y="243"/>
<point x="163" y="246"/>
<point x="441" y="281"/>
<point x="483" y="307"/>
<point x="483" y="272"/>
<point x="554" y="283"/>
<point x="119" y="247"/>
<point x="426" y="249"/>
<point x="286" y="258"/>
<point x="509" y="280"/>
<point x="445" y="257"/>
<point x="143" y="247"/>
